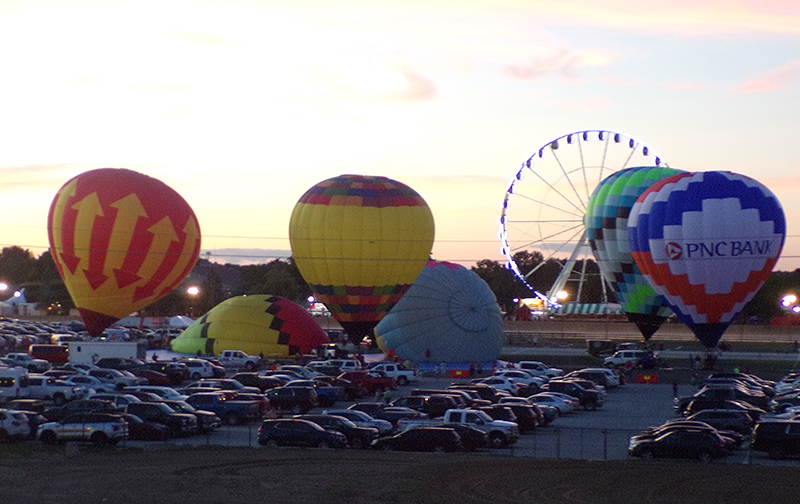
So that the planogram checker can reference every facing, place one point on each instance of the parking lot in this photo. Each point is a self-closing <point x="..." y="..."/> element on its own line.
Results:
<point x="602" y="434"/>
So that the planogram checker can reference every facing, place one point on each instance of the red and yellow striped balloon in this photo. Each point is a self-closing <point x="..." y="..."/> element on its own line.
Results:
<point x="360" y="242"/>
<point x="120" y="240"/>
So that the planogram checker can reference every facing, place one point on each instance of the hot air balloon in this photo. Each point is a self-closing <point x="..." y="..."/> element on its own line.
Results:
<point x="120" y="240"/>
<point x="707" y="242"/>
<point x="449" y="314"/>
<point x="360" y="242"/>
<point x="606" y="222"/>
<point x="256" y="324"/>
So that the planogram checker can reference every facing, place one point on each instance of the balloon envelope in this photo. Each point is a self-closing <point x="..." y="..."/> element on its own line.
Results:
<point x="360" y="242"/>
<point x="449" y="314"/>
<point x="606" y="222"/>
<point x="120" y="240"/>
<point x="257" y="324"/>
<point x="707" y="242"/>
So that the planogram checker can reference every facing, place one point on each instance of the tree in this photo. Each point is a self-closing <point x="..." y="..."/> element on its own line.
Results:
<point x="503" y="282"/>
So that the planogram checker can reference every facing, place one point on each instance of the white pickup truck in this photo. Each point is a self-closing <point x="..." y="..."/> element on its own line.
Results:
<point x="238" y="359"/>
<point x="402" y="375"/>
<point x="24" y="360"/>
<point x="501" y="433"/>
<point x="48" y="387"/>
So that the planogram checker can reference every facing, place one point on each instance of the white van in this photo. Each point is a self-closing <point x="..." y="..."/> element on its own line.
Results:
<point x="13" y="383"/>
<point x="623" y="357"/>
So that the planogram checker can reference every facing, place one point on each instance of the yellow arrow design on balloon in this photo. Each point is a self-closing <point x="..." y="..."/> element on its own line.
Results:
<point x="163" y="235"/>
<point x="89" y="209"/>
<point x="192" y="232"/>
<point x="57" y="224"/>
<point x="129" y="211"/>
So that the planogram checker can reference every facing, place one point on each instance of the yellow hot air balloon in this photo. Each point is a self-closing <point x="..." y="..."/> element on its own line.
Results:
<point x="360" y="242"/>
<point x="257" y="324"/>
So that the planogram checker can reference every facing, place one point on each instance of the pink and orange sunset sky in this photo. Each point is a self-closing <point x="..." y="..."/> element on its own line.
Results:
<point x="242" y="105"/>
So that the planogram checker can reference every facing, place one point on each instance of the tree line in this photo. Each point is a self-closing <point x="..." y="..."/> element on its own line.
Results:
<point x="216" y="282"/>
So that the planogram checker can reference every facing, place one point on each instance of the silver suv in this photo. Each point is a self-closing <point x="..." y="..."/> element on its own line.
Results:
<point x="98" y="428"/>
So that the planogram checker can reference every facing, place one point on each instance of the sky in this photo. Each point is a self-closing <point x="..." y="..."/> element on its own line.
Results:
<point x="241" y="106"/>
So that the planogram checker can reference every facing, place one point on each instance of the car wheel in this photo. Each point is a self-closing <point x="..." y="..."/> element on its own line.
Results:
<point x="439" y="449"/>
<point x="297" y="409"/>
<point x="232" y="419"/>
<point x="646" y="455"/>
<point x="402" y="380"/>
<point x="269" y="443"/>
<point x="59" y="399"/>
<point x="49" y="437"/>
<point x="497" y="440"/>
<point x="590" y="406"/>
<point x="99" y="439"/>
<point x="249" y="366"/>
<point x="704" y="457"/>
<point x="195" y="376"/>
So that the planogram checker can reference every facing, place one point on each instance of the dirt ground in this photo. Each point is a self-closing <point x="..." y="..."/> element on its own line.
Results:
<point x="42" y="475"/>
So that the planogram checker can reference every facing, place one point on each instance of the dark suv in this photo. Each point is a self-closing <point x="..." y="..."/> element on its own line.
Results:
<point x="179" y="424"/>
<point x="779" y="438"/>
<point x="589" y="399"/>
<point x="734" y="420"/>
<point x="298" y="400"/>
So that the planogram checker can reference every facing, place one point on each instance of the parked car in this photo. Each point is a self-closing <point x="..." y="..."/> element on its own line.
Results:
<point x="362" y="419"/>
<point x="58" y="413"/>
<point x="227" y="406"/>
<point x="253" y="379"/>
<point x="153" y="377"/>
<point x="729" y="392"/>
<point x="471" y="437"/>
<point x="140" y="430"/>
<point x="297" y="432"/>
<point x="697" y="405"/>
<point x="589" y="399"/>
<point x="48" y="387"/>
<point x="383" y="411"/>
<point x="207" y="421"/>
<point x="97" y="428"/>
<point x="199" y="368"/>
<point x="779" y="438"/>
<point x="13" y="425"/>
<point x="694" y="444"/>
<point x="441" y="439"/>
<point x="179" y="424"/>
<point x="298" y="400"/>
<point x="121" y="401"/>
<point x="357" y="437"/>
<point x="734" y="420"/>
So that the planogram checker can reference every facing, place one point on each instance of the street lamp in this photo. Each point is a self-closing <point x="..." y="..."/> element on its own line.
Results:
<point x="192" y="291"/>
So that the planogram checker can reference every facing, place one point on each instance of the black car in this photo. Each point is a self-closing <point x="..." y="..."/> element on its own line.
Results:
<point x="383" y="411"/>
<point x="207" y="421"/>
<point x="734" y="420"/>
<point x="527" y="417"/>
<point x="697" y="405"/>
<point x="692" y="444"/>
<point x="421" y="439"/>
<point x="725" y="392"/>
<point x="58" y="413"/>
<point x="779" y="438"/>
<point x="298" y="400"/>
<point x="297" y="432"/>
<point x="357" y="437"/>
<point x="732" y="439"/>
<point x="179" y="424"/>
<point x="263" y="383"/>
<point x="119" y="363"/>
<point x="471" y="438"/>
<point x="589" y="399"/>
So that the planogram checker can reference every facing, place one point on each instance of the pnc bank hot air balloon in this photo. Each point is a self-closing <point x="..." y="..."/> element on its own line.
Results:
<point x="707" y="242"/>
<point x="606" y="222"/>
<point x="120" y="240"/>
<point x="360" y="242"/>
<point x="450" y="314"/>
<point x="271" y="326"/>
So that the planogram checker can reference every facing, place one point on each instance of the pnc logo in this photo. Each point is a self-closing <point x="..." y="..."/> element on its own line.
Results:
<point x="674" y="251"/>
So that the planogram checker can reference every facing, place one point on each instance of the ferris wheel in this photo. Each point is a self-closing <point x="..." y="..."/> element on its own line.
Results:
<point x="546" y="200"/>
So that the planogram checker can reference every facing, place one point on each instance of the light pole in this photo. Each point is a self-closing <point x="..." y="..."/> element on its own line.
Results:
<point x="192" y="291"/>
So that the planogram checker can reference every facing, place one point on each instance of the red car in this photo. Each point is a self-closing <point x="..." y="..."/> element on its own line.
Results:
<point x="153" y="377"/>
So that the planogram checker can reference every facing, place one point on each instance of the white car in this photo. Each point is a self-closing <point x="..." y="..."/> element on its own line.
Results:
<point x="119" y="400"/>
<point x="500" y="383"/>
<point x="362" y="419"/>
<point x="90" y="383"/>
<point x="13" y="425"/>
<point x="540" y="368"/>
<point x="120" y="379"/>
<point x="49" y="387"/>
<point x="167" y="393"/>
<point x="522" y="377"/>
<point x="199" y="368"/>
<point x="560" y="404"/>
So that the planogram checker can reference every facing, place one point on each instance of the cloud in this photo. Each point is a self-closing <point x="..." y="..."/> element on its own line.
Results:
<point x="243" y="256"/>
<point x="779" y="79"/>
